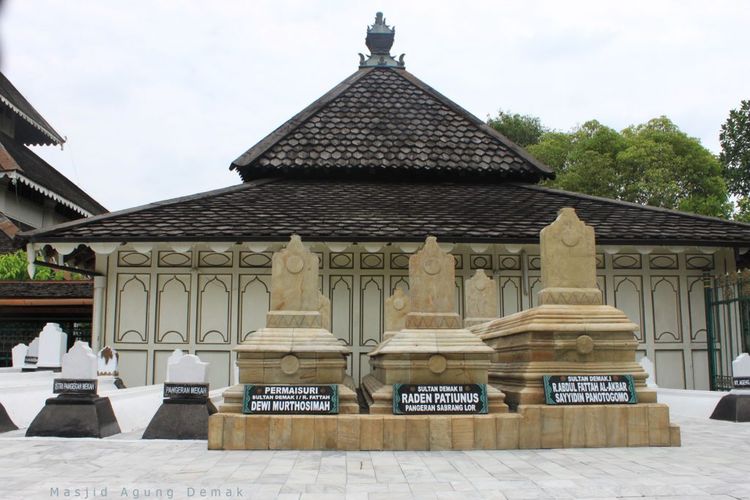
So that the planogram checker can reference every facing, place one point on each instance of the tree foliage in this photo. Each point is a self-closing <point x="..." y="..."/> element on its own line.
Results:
<point x="13" y="267"/>
<point x="521" y="129"/>
<point x="735" y="150"/>
<point x="654" y="163"/>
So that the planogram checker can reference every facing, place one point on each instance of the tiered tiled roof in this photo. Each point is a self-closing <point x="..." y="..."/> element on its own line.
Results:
<point x="385" y="122"/>
<point x="358" y="210"/>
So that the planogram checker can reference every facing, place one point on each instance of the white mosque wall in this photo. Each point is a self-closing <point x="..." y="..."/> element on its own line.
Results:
<point x="186" y="296"/>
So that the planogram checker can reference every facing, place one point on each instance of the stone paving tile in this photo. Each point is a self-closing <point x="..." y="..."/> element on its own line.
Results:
<point x="713" y="463"/>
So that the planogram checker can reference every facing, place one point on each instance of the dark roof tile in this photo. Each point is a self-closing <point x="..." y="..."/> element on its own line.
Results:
<point x="357" y="210"/>
<point x="386" y="120"/>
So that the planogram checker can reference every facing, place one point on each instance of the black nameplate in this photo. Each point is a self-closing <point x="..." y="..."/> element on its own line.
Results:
<point x="427" y="399"/>
<point x="589" y="389"/>
<point x="74" y="386"/>
<point x="176" y="390"/>
<point x="742" y="382"/>
<point x="30" y="360"/>
<point x="291" y="399"/>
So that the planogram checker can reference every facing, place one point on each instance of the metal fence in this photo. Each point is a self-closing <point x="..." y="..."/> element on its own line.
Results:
<point x="727" y="324"/>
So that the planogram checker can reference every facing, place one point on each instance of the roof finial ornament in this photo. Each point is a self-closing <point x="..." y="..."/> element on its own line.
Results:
<point x="380" y="40"/>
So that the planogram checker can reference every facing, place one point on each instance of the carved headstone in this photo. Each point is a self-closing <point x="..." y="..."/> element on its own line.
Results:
<point x="52" y="344"/>
<point x="325" y="312"/>
<point x="397" y="306"/>
<point x="295" y="299"/>
<point x="79" y="362"/>
<point x="107" y="361"/>
<point x="432" y="284"/>
<point x="19" y="355"/>
<point x="741" y="371"/>
<point x="481" y="303"/>
<point x="568" y="252"/>
<point x="188" y="369"/>
<point x="32" y="356"/>
<point x="176" y="355"/>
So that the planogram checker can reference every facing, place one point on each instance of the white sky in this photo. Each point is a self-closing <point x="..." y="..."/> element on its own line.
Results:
<point x="157" y="98"/>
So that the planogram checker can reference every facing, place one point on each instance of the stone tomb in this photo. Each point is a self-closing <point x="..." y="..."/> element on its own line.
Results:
<point x="77" y="411"/>
<point x="186" y="407"/>
<point x="294" y="348"/>
<point x="571" y="333"/>
<point x="433" y="347"/>
<point x="735" y="406"/>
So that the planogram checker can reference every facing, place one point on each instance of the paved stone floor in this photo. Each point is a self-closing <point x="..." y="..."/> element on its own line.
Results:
<point x="714" y="462"/>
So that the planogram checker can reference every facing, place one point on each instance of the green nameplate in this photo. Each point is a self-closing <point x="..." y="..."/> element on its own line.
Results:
<point x="291" y="399"/>
<point x="436" y="399"/>
<point x="589" y="389"/>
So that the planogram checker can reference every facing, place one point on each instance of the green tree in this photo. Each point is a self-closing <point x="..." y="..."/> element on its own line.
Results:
<point x="521" y="129"/>
<point x="735" y="158"/>
<point x="13" y="267"/>
<point x="735" y="150"/>
<point x="654" y="163"/>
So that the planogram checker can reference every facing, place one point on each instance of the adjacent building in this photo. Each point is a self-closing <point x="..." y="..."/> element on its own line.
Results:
<point x="35" y="195"/>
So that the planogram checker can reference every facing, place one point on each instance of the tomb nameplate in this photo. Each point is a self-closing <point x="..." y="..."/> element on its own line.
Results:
<point x="291" y="399"/>
<point x="74" y="386"/>
<point x="742" y="382"/>
<point x="185" y="391"/>
<point x="589" y="389"/>
<point x="436" y="399"/>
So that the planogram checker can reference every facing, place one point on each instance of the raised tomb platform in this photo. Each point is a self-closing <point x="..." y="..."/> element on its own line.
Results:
<point x="433" y="348"/>
<point x="542" y="376"/>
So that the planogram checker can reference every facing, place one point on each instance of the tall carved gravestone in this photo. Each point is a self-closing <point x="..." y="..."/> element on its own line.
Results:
<point x="481" y="304"/>
<point x="570" y="332"/>
<point x="433" y="348"/>
<point x="77" y="411"/>
<point x="397" y="306"/>
<point x="294" y="348"/>
<point x="186" y="407"/>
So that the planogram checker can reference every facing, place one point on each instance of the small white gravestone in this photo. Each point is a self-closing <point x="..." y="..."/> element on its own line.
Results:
<point x="741" y="373"/>
<point x="19" y="355"/>
<point x="107" y="360"/>
<point x="188" y="370"/>
<point x="648" y="367"/>
<point x="176" y="355"/>
<point x="52" y="344"/>
<point x="32" y="354"/>
<point x="79" y="362"/>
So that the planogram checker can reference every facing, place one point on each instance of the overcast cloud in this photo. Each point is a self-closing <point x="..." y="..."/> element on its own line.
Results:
<point x="157" y="98"/>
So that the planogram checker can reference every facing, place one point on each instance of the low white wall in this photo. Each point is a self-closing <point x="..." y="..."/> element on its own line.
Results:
<point x="135" y="407"/>
<point x="23" y="394"/>
<point x="698" y="404"/>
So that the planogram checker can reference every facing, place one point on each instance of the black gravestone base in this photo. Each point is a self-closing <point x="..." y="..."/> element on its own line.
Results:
<point x="733" y="408"/>
<point x="6" y="424"/>
<point x="70" y="415"/>
<point x="181" y="418"/>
